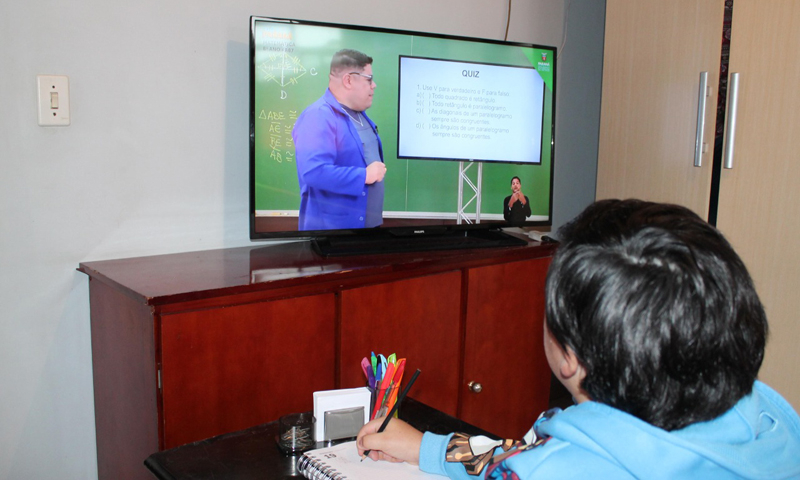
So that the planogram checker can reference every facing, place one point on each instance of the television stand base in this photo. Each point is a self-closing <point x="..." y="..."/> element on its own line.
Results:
<point x="385" y="242"/>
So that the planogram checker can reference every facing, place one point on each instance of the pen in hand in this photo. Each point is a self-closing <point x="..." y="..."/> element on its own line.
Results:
<point x="394" y="409"/>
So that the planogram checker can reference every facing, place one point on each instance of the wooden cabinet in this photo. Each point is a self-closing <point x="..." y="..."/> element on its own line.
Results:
<point x="191" y="345"/>
<point x="492" y="338"/>
<point x="654" y="54"/>
<point x="759" y="203"/>
<point x="645" y="143"/>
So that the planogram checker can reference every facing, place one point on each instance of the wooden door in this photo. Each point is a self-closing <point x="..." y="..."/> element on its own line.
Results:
<point x="759" y="203"/>
<point x="226" y="369"/>
<point x="504" y="349"/>
<point x="654" y="53"/>
<point x="419" y="319"/>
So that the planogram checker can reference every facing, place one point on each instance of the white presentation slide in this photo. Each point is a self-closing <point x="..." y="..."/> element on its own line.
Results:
<point x="469" y="111"/>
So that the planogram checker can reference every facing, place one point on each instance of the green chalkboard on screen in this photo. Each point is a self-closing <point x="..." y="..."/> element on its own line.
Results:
<point x="290" y="68"/>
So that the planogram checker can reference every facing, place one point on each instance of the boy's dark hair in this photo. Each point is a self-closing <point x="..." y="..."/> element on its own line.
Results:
<point x="349" y="60"/>
<point x="659" y="310"/>
<point x="512" y="179"/>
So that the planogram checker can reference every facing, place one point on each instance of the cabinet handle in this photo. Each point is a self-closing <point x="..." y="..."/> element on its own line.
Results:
<point x="701" y="119"/>
<point x="733" y="97"/>
<point x="475" y="387"/>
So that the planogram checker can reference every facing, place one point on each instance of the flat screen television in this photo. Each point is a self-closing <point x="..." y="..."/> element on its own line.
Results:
<point x="457" y="118"/>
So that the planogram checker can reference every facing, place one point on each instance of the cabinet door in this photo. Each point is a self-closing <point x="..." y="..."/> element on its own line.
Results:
<point x="504" y="349"/>
<point x="225" y="369"/>
<point x="418" y="319"/>
<point x="654" y="53"/>
<point x="759" y="203"/>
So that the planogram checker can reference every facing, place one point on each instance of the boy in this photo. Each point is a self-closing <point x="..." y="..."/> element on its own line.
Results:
<point x="654" y="326"/>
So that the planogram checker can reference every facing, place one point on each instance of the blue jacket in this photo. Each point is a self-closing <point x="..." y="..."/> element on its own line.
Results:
<point x="331" y="167"/>
<point x="758" y="438"/>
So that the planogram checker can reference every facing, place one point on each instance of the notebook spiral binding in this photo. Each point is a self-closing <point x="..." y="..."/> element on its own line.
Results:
<point x="316" y="469"/>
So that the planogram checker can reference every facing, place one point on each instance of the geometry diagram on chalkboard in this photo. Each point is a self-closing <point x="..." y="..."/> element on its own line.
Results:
<point x="282" y="68"/>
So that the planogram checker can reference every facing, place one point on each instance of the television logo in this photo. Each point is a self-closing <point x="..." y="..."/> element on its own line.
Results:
<point x="544" y="65"/>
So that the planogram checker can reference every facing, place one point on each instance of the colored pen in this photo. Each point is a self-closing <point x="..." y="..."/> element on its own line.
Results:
<point x="367" y="368"/>
<point x="382" y="361"/>
<point x="365" y="365"/>
<point x="398" y="377"/>
<point x="382" y="390"/>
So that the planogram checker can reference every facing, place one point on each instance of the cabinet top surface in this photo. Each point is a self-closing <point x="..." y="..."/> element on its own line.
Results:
<point x="178" y="277"/>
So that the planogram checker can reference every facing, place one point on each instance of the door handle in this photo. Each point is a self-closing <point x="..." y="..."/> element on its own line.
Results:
<point x="730" y="134"/>
<point x="475" y="387"/>
<point x="702" y="95"/>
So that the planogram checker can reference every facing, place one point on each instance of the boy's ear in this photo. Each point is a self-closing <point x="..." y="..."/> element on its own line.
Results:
<point x="572" y="375"/>
<point x="570" y="365"/>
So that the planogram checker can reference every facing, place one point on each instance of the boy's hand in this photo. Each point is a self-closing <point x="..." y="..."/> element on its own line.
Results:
<point x="398" y="443"/>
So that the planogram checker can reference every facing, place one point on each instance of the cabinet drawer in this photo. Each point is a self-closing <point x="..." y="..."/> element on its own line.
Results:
<point x="504" y="347"/>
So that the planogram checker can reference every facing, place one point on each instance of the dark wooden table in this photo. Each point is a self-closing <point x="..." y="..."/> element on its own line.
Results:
<point x="254" y="454"/>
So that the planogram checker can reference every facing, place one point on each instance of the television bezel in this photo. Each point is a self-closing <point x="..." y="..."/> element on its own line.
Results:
<point x="416" y="226"/>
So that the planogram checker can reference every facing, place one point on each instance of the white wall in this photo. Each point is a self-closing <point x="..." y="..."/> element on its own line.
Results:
<point x="155" y="161"/>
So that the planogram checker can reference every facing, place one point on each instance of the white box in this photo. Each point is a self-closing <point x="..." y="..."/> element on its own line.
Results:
<point x="327" y="400"/>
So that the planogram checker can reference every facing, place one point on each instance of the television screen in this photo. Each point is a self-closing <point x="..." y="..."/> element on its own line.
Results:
<point x="457" y="118"/>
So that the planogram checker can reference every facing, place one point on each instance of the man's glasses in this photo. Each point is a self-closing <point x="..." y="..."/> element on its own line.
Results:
<point x="368" y="77"/>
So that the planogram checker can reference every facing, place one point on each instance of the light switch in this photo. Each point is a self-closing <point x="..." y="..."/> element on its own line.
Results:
<point x="53" y="100"/>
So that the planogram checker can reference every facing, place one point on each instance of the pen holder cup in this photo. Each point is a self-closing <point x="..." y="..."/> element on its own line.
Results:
<point x="384" y="399"/>
<point x="296" y="432"/>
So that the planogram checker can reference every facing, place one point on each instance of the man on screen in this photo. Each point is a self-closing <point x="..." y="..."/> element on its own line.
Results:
<point x="339" y="154"/>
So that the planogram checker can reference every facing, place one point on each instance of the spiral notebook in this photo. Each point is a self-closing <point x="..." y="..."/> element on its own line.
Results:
<point x="341" y="462"/>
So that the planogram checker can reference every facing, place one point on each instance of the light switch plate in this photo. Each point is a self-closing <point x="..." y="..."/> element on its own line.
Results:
<point x="53" y="100"/>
